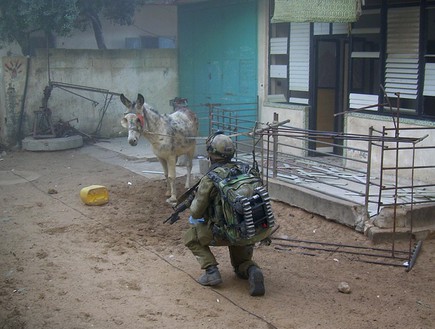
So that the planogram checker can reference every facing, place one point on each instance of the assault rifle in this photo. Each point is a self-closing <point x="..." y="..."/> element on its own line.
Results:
<point x="183" y="202"/>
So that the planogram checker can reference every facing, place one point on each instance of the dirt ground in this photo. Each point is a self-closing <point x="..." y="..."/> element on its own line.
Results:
<point x="67" y="265"/>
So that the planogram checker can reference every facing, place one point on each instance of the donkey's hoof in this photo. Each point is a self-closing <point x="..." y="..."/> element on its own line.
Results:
<point x="168" y="193"/>
<point x="172" y="201"/>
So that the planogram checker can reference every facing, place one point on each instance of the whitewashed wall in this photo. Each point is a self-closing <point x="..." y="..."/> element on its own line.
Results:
<point x="151" y="72"/>
<point x="359" y="124"/>
<point x="298" y="116"/>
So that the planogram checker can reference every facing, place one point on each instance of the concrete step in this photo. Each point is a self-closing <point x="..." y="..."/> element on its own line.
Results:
<point x="338" y="210"/>
<point x="52" y="144"/>
<point x="379" y="235"/>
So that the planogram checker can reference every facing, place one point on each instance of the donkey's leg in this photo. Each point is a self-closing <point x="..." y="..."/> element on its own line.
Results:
<point x="164" y="164"/>
<point x="172" y="175"/>
<point x="189" y="158"/>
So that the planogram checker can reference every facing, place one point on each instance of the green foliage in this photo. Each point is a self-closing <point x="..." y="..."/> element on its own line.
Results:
<point x="35" y="15"/>
<point x="48" y="15"/>
<point x="20" y="18"/>
<point x="121" y="12"/>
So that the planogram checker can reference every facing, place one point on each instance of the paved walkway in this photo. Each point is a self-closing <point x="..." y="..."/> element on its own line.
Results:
<point x="139" y="159"/>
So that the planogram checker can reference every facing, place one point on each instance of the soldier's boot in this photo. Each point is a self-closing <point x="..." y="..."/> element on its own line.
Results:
<point x="211" y="277"/>
<point x="256" y="281"/>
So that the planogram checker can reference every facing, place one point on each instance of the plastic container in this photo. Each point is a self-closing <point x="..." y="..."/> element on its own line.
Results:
<point x="94" y="195"/>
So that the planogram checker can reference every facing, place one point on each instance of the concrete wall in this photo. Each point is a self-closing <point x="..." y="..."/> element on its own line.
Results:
<point x="360" y="123"/>
<point x="151" y="72"/>
<point x="298" y="116"/>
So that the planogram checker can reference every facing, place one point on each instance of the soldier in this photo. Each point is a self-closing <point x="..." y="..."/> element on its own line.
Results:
<point x="205" y="230"/>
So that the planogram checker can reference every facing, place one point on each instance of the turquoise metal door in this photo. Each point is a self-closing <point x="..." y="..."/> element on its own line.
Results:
<point x="218" y="54"/>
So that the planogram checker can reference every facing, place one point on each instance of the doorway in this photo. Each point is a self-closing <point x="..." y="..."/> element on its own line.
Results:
<point x="218" y="55"/>
<point x="330" y="93"/>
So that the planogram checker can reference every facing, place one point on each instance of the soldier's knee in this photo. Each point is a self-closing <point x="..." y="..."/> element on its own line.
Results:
<point x="190" y="237"/>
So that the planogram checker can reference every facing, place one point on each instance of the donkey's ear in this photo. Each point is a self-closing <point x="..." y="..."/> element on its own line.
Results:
<point x="125" y="101"/>
<point x="124" y="122"/>
<point x="140" y="100"/>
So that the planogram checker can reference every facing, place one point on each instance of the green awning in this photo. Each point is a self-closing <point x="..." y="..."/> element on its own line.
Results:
<point x="321" y="11"/>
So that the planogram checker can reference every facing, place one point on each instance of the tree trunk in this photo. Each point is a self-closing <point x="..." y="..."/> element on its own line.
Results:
<point x="51" y="39"/>
<point x="98" y="31"/>
<point x="23" y="42"/>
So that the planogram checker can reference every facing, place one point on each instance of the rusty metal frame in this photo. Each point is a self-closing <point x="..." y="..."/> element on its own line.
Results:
<point x="273" y="160"/>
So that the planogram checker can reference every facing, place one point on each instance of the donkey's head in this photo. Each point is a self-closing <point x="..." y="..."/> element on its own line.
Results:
<point x="133" y="119"/>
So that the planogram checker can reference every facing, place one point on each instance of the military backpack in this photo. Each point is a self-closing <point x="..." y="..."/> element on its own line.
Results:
<point x="247" y="215"/>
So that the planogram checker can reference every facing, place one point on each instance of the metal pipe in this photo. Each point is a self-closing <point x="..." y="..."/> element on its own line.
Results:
<point x="396" y="174"/>
<point x="275" y="145"/>
<point x="369" y="165"/>
<point x="81" y="87"/>
<point x="414" y="255"/>
<point x="343" y="251"/>
<point x="334" y="244"/>
<point x="356" y="260"/>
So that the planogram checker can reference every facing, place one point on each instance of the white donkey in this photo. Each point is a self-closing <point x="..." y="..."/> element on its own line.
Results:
<point x="170" y="135"/>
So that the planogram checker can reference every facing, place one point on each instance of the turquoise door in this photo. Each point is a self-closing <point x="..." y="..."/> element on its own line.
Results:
<point x="218" y="54"/>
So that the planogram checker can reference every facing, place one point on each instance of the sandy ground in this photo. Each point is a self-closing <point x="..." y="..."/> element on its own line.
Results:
<point x="67" y="265"/>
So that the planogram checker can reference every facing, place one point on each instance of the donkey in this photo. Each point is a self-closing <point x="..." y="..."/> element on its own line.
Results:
<point x="170" y="135"/>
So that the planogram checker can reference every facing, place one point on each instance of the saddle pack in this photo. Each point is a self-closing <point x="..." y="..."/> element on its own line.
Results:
<point x="247" y="215"/>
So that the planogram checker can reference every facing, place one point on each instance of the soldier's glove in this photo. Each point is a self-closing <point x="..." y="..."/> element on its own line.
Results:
<point x="195" y="221"/>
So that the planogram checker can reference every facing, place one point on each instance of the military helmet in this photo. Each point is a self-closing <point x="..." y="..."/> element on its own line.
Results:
<point x="220" y="146"/>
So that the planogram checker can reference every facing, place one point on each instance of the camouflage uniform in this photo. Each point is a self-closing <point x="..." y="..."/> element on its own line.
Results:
<point x="207" y="205"/>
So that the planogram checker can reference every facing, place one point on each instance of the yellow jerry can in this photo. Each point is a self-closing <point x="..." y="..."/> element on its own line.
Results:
<point x="94" y="195"/>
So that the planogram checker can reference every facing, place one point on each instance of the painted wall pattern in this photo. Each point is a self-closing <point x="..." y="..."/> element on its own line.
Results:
<point x="14" y="73"/>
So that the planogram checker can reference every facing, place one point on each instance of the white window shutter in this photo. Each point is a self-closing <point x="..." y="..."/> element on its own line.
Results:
<point x="358" y="101"/>
<point x="340" y="28"/>
<point x="321" y="29"/>
<point x="278" y="46"/>
<point x="429" y="80"/>
<point x="299" y="56"/>
<point x="401" y="74"/>
<point x="278" y="71"/>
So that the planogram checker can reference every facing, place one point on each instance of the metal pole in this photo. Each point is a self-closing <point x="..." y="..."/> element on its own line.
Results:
<point x="275" y="146"/>
<point x="267" y="158"/>
<point x="412" y="201"/>
<point x="396" y="178"/>
<point x="381" y="174"/>
<point x="369" y="162"/>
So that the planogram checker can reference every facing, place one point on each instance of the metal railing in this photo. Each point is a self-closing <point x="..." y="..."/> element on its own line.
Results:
<point x="342" y="166"/>
<point x="336" y="164"/>
<point x="402" y="161"/>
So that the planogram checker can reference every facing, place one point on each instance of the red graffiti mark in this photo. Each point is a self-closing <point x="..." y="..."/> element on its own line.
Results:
<point x="14" y="68"/>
